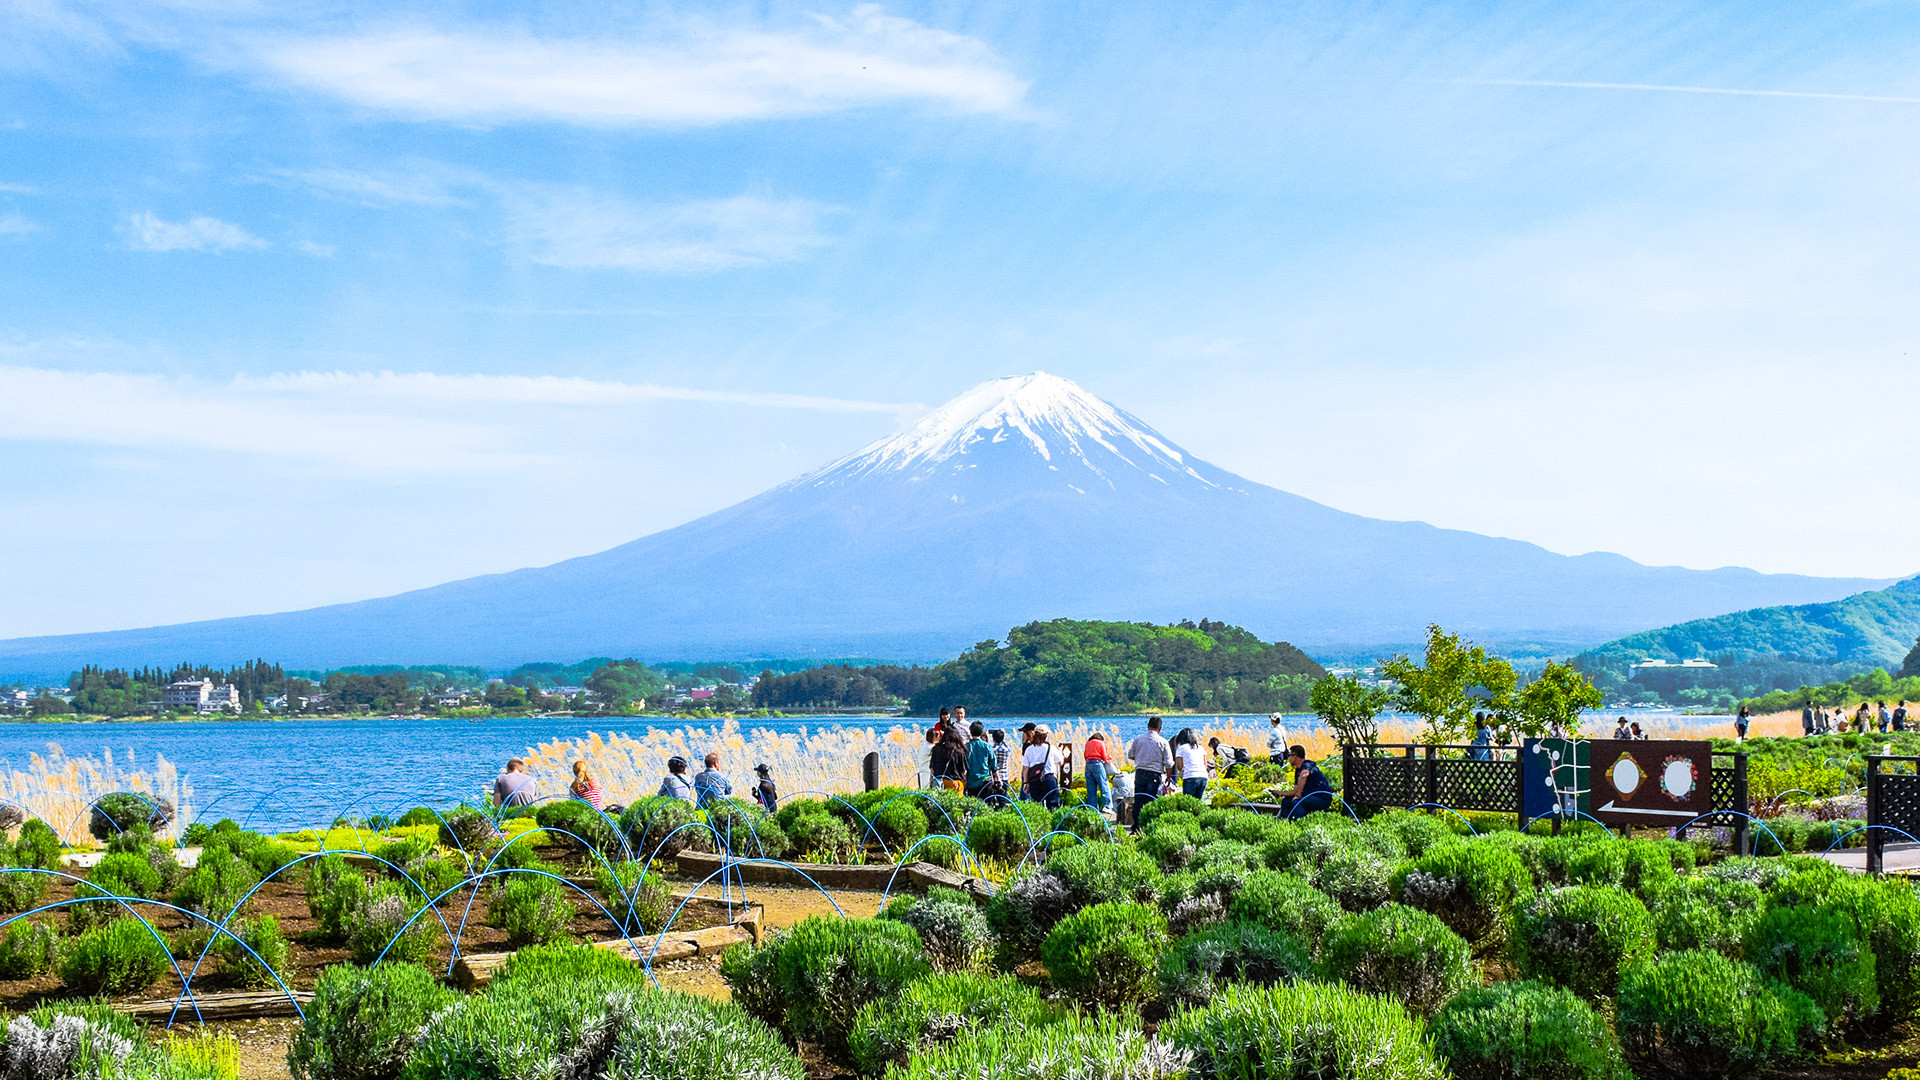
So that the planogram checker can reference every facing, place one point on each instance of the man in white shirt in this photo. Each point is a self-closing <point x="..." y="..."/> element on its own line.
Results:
<point x="1277" y="738"/>
<point x="1152" y="758"/>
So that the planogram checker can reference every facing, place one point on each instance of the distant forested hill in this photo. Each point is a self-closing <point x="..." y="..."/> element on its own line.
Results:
<point x="1772" y="648"/>
<point x="1071" y="667"/>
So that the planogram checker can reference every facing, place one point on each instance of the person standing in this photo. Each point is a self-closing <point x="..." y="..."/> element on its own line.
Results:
<point x="711" y="784"/>
<point x="1001" y="749"/>
<point x="1192" y="759"/>
<point x="764" y="792"/>
<point x="1152" y="759"/>
<point x="515" y="786"/>
<point x="1483" y="739"/>
<point x="1741" y="722"/>
<point x="1621" y="730"/>
<point x="1900" y="717"/>
<point x="980" y="764"/>
<point x="948" y="760"/>
<point x="1886" y="718"/>
<point x="1040" y="778"/>
<point x="1276" y="738"/>
<point x="1806" y="721"/>
<point x="1099" y="765"/>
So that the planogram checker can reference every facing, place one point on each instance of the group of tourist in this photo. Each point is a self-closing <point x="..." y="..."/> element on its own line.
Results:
<point x="517" y="787"/>
<point x="1816" y="720"/>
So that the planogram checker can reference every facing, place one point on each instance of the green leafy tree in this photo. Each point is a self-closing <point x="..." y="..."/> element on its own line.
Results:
<point x="624" y="683"/>
<point x="1557" y="696"/>
<point x="1456" y="679"/>
<point x="1350" y="707"/>
<point x="47" y="705"/>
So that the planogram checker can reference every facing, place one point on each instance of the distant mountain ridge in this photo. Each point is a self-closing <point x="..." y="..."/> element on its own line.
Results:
<point x="1024" y="498"/>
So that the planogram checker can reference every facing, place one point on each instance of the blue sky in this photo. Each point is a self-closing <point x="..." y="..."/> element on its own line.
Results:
<point x="303" y="303"/>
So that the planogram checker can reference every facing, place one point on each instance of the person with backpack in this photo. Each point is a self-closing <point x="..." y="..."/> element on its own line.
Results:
<point x="980" y="763"/>
<point x="1040" y="779"/>
<point x="1900" y="717"/>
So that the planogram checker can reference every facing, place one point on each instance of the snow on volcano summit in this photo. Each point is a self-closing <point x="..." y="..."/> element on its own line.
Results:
<point x="1061" y="426"/>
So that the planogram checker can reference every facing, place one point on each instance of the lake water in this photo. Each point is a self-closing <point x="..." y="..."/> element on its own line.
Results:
<point x="291" y="774"/>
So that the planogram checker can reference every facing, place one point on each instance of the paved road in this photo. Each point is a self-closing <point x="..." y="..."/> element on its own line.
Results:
<point x="1902" y="858"/>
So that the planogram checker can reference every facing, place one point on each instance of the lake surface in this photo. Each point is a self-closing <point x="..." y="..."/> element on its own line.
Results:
<point x="290" y="774"/>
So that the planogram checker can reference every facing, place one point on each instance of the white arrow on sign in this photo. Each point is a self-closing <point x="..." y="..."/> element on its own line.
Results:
<point x="1610" y="808"/>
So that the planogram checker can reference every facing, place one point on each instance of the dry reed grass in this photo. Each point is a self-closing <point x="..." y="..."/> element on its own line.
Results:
<point x="60" y="790"/>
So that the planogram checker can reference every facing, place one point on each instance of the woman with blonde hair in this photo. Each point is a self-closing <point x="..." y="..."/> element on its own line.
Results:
<point x="585" y="789"/>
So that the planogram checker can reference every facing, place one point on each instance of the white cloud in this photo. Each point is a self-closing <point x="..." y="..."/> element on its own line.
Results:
<point x="406" y="424"/>
<point x="581" y="229"/>
<point x="145" y="232"/>
<point x="316" y="250"/>
<point x="425" y="185"/>
<point x="694" y="74"/>
<point x="14" y="225"/>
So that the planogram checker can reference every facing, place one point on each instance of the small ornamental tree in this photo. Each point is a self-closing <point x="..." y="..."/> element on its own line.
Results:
<point x="1442" y="689"/>
<point x="1556" y="696"/>
<point x="1350" y="707"/>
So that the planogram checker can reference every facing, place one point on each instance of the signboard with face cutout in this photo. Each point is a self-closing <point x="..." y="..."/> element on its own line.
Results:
<point x="1665" y="782"/>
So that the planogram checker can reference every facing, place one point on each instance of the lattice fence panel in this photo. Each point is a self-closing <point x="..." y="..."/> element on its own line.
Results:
<point x="1477" y="785"/>
<point x="1725" y="788"/>
<point x="1388" y="781"/>
<point x="1897" y="803"/>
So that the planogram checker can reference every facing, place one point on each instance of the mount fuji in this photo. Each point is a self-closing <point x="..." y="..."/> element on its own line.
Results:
<point x="1024" y="498"/>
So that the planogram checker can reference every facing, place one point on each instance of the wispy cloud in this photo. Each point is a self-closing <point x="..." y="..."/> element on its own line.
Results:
<point x="145" y="232"/>
<point x="580" y="229"/>
<point x="1691" y="90"/>
<point x="14" y="225"/>
<point x="378" y="423"/>
<point x="19" y="189"/>
<point x="690" y="74"/>
<point x="427" y="184"/>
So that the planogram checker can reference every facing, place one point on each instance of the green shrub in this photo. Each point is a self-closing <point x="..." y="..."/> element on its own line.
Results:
<point x="335" y="894"/>
<point x="1099" y="873"/>
<point x="937" y="1010"/>
<point x="467" y="829"/>
<point x="362" y="1022"/>
<point x="1646" y="866"/>
<point x="953" y="931"/>
<point x="29" y="949"/>
<point x="1817" y="951"/>
<point x="118" y="958"/>
<point x="1249" y="827"/>
<point x="1763" y="874"/>
<point x="638" y="899"/>
<point x="1024" y="911"/>
<point x="1107" y="954"/>
<point x="593" y="829"/>
<point x="1285" y="904"/>
<point x="999" y="834"/>
<point x="1200" y="964"/>
<point x="1083" y="821"/>
<point x="215" y="885"/>
<point x="1525" y="1029"/>
<point x="1227" y="855"/>
<point x="655" y="828"/>
<point x="263" y="936"/>
<point x="1472" y="887"/>
<point x="1807" y="886"/>
<point x="404" y="855"/>
<point x="1705" y="913"/>
<point x="1324" y="836"/>
<point x="75" y="1039"/>
<point x="1886" y="912"/>
<point x="1303" y="1031"/>
<point x="1193" y="900"/>
<point x="1172" y="840"/>
<point x="1357" y="878"/>
<point x="1076" y="1047"/>
<point x="541" y="965"/>
<point x="1169" y="804"/>
<point x="419" y="815"/>
<point x="36" y="846"/>
<point x="1416" y="832"/>
<point x="1580" y="937"/>
<point x="374" y="927"/>
<point x="532" y="908"/>
<point x="811" y="980"/>
<point x="266" y="855"/>
<point x="1700" y="1016"/>
<point x="1399" y="952"/>
<point x="122" y="810"/>
<point x="821" y="837"/>
<point x="899" y="824"/>
<point x="662" y="1035"/>
<point x="119" y="873"/>
<point x="528" y="1028"/>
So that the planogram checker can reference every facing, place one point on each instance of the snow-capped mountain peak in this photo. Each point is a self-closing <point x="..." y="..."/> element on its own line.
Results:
<point x="1068" y="429"/>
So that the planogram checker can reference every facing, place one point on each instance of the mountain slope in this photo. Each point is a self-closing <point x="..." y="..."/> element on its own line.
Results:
<point x="1024" y="498"/>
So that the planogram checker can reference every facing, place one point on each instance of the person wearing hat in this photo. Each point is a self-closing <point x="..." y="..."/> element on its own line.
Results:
<point x="1276" y="738"/>
<point x="1040" y="781"/>
<point x="676" y="784"/>
<point x="764" y="792"/>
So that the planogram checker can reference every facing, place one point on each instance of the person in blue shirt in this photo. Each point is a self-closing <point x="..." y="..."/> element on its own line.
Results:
<point x="676" y="783"/>
<point x="981" y="768"/>
<point x="1311" y="792"/>
<point x="711" y="783"/>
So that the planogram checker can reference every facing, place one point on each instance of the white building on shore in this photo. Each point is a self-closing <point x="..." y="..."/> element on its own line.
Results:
<point x="201" y="696"/>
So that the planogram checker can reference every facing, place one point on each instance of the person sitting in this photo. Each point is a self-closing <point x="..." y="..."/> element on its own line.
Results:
<point x="515" y="787"/>
<point x="764" y="792"/>
<point x="1040" y="781"/>
<point x="1311" y="792"/>
<point x="585" y="789"/>
<point x="711" y="784"/>
<point x="676" y="784"/>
